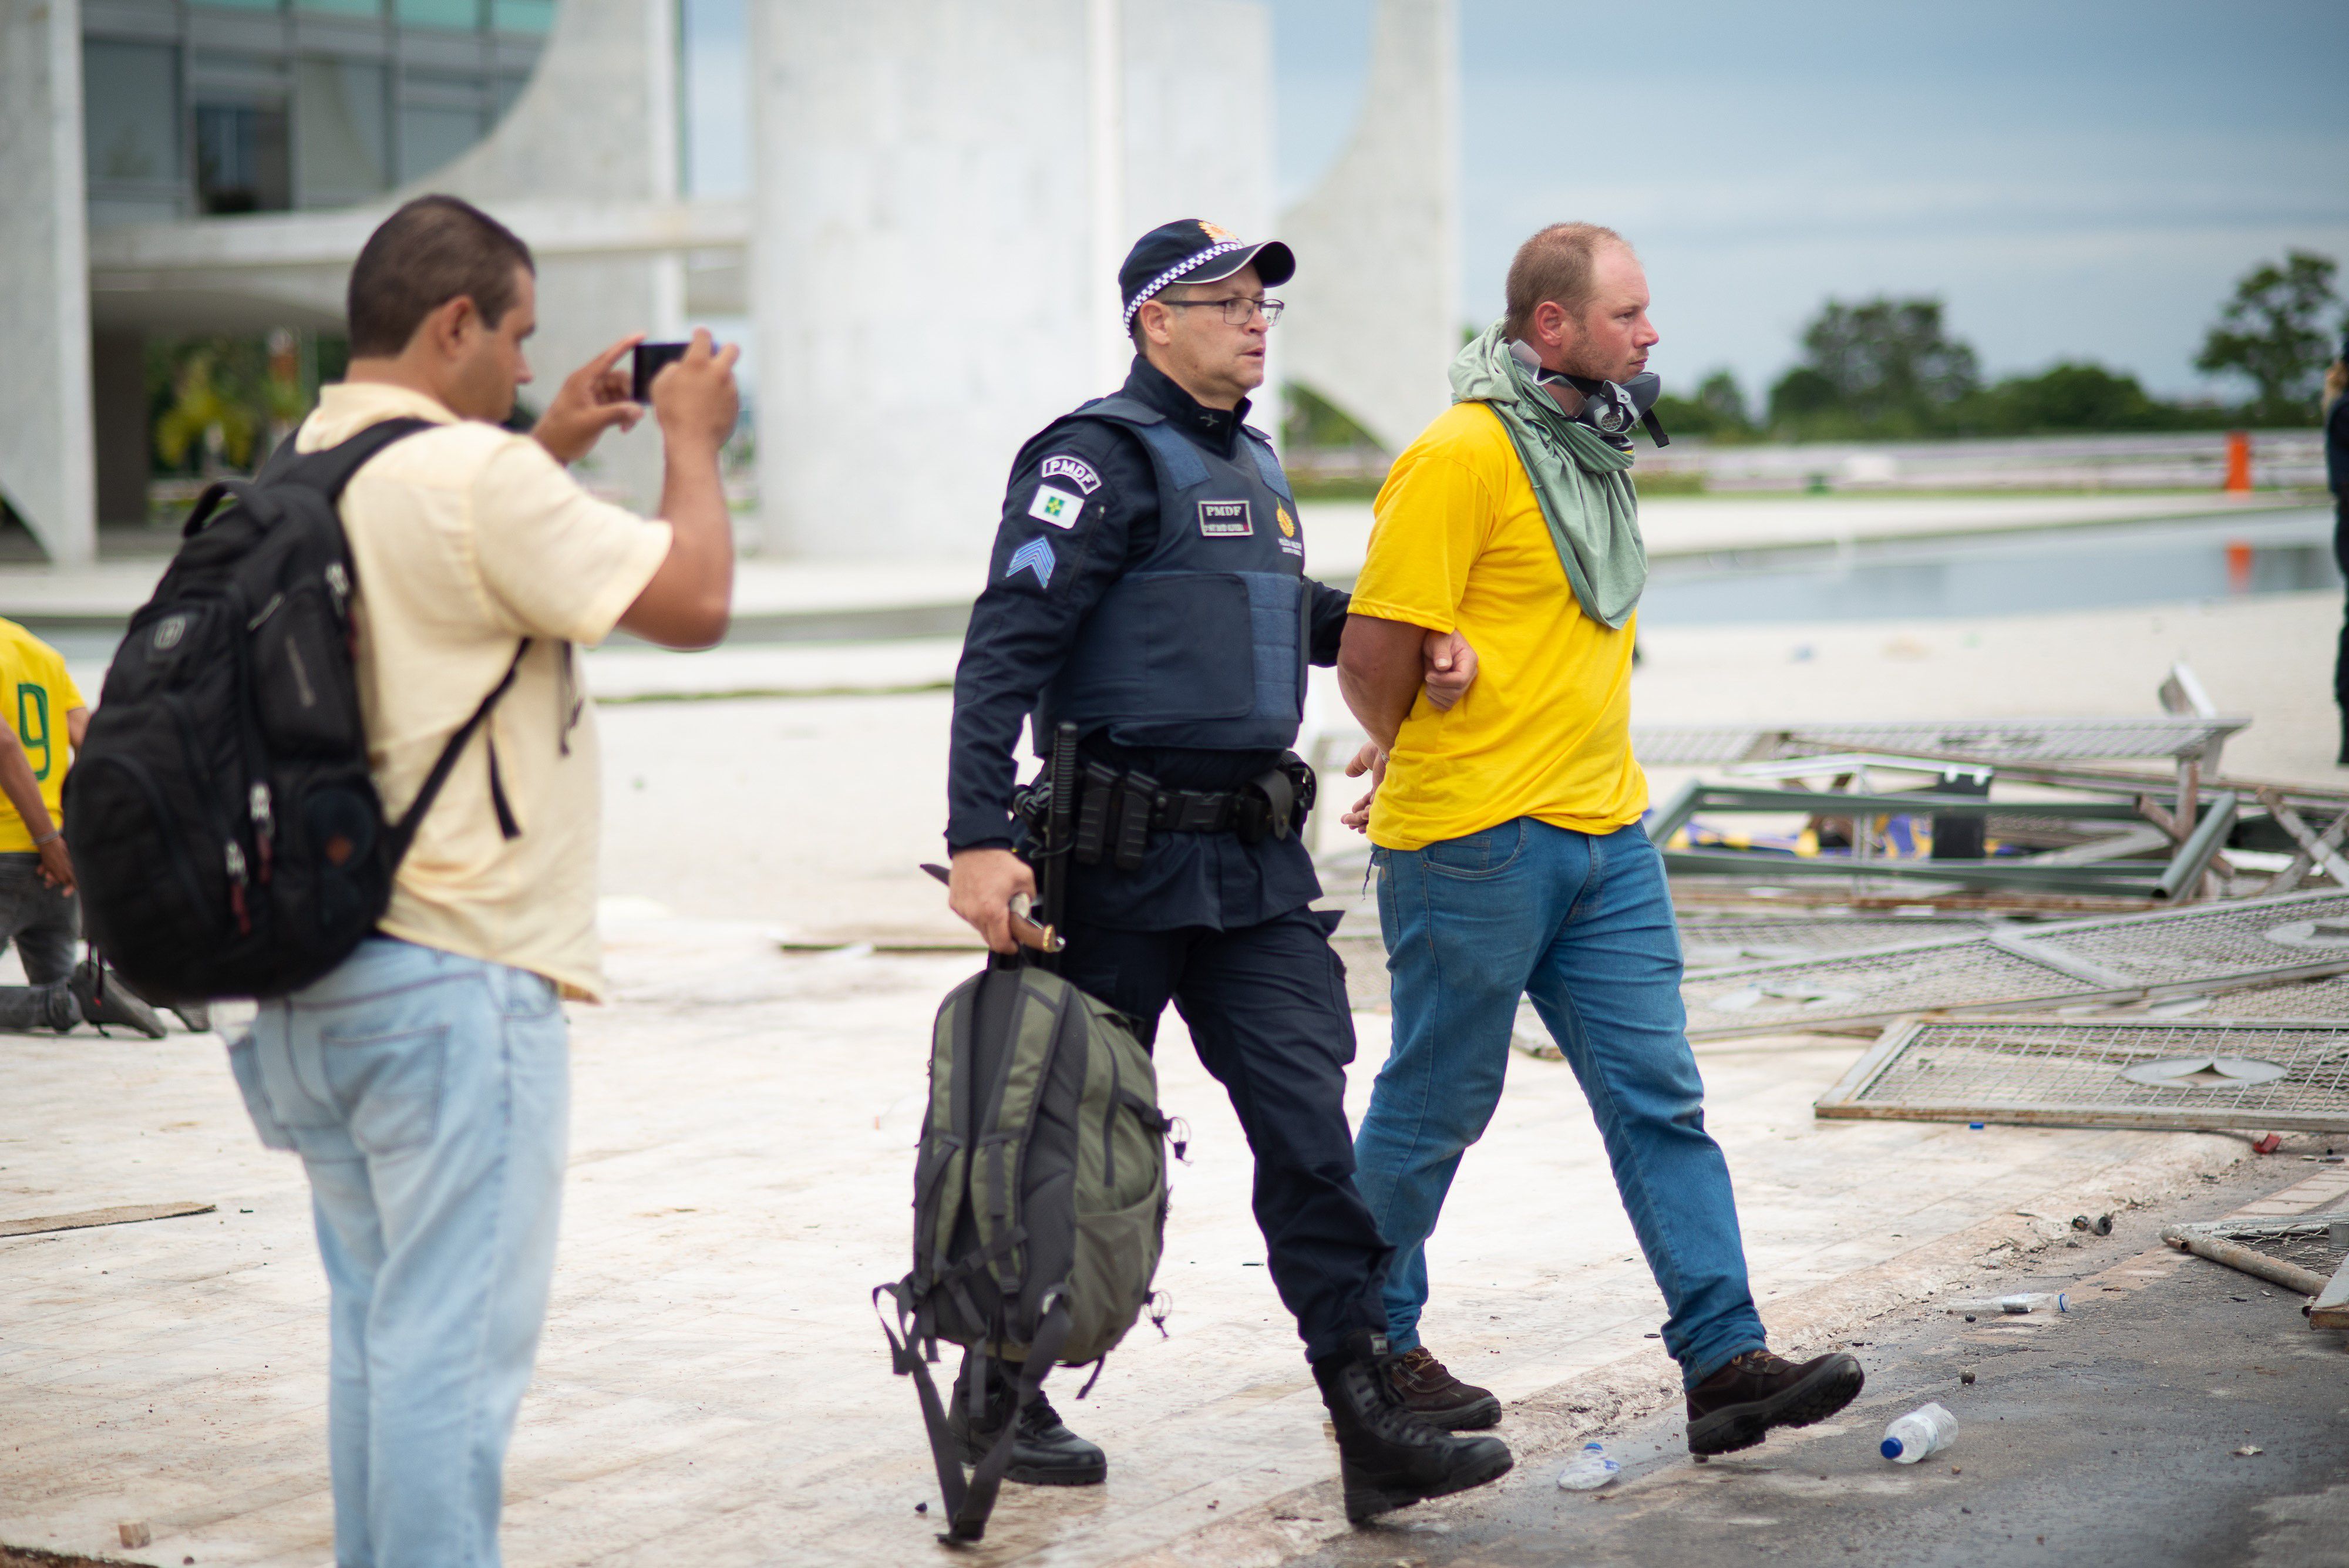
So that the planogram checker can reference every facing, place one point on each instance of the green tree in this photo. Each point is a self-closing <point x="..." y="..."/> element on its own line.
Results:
<point x="1311" y="420"/>
<point x="2066" y="397"/>
<point x="2271" y="334"/>
<point x="1883" y="366"/>
<point x="1716" y="409"/>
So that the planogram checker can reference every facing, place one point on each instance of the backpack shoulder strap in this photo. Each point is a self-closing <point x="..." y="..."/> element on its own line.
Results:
<point x="328" y="470"/>
<point x="403" y="832"/>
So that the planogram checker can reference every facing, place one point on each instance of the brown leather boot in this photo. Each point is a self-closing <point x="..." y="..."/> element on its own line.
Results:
<point x="1737" y="1405"/>
<point x="1430" y="1393"/>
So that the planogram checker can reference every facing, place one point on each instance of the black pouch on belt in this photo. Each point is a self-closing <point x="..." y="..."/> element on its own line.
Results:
<point x="1264" y="807"/>
<point x="1273" y="804"/>
<point x="1135" y="795"/>
<point x="1092" y="813"/>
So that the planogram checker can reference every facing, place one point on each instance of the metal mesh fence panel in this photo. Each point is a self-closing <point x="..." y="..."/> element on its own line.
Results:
<point x="2186" y="1074"/>
<point x="2215" y="947"/>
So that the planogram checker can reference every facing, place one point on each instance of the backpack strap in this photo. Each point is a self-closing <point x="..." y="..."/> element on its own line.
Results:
<point x="328" y="470"/>
<point x="403" y="833"/>
<point x="967" y="1518"/>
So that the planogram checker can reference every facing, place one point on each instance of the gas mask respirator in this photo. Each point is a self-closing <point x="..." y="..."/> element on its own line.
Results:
<point x="1608" y="407"/>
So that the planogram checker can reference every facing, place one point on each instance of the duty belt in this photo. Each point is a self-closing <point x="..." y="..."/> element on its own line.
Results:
<point x="1117" y="812"/>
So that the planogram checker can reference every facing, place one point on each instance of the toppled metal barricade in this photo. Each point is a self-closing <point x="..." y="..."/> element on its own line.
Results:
<point x="2099" y="862"/>
<point x="2161" y="1075"/>
<point x="2209" y="948"/>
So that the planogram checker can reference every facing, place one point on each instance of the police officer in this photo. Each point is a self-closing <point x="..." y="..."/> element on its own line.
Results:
<point x="1147" y="585"/>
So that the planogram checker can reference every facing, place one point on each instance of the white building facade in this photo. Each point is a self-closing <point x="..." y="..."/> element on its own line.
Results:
<point x="941" y="192"/>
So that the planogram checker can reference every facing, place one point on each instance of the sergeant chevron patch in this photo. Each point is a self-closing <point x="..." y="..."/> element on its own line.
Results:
<point x="1035" y="555"/>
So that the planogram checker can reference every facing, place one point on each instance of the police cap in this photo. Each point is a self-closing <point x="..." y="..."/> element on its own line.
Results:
<point x="1192" y="250"/>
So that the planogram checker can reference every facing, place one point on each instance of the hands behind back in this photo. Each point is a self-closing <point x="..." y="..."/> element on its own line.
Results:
<point x="1448" y="669"/>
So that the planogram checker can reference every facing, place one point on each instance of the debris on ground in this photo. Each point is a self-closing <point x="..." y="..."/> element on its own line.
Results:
<point x="2307" y="1254"/>
<point x="126" y="1214"/>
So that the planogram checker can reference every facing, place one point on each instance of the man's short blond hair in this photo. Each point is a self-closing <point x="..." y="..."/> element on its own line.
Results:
<point x="1557" y="265"/>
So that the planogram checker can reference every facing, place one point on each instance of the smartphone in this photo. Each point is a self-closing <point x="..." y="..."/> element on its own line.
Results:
<point x="649" y="359"/>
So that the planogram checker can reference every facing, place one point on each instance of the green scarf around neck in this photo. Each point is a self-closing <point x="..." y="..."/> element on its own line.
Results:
<point x="1583" y="483"/>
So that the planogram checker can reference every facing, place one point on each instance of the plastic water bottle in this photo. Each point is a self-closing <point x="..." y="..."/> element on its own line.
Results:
<point x="1589" y="1469"/>
<point x="1918" y="1434"/>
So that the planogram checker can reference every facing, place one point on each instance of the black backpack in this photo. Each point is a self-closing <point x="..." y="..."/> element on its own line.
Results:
<point x="224" y="826"/>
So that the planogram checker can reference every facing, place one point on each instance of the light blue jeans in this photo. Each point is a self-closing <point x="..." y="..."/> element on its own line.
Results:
<point x="429" y="1096"/>
<point x="1583" y="925"/>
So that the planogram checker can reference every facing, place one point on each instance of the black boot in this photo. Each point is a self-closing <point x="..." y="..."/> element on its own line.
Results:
<point x="1043" y="1451"/>
<point x="1387" y="1457"/>
<point x="2343" y="759"/>
<point x="103" y="999"/>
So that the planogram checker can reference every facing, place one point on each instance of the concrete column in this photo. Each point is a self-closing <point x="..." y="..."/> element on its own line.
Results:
<point x="923" y="240"/>
<point x="945" y="190"/>
<point x="1106" y="130"/>
<point x="597" y="124"/>
<point x="1198" y="133"/>
<point x="47" y="465"/>
<point x="1374" y="315"/>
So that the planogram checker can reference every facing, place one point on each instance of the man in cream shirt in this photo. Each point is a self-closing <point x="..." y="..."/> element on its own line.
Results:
<point x="425" y="1081"/>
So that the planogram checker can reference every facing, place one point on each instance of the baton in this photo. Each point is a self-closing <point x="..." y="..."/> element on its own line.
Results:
<point x="1025" y="929"/>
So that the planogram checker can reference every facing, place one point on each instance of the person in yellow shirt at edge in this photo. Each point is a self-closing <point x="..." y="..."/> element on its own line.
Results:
<point x="1510" y="855"/>
<point x="45" y="717"/>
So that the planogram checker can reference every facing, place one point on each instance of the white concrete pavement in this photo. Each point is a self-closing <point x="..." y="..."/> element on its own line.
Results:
<point x="713" y="1386"/>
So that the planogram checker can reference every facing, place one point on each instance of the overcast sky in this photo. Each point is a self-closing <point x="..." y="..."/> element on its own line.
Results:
<point x="2076" y="179"/>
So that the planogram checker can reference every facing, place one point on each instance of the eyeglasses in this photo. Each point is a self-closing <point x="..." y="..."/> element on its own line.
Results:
<point x="1236" y="312"/>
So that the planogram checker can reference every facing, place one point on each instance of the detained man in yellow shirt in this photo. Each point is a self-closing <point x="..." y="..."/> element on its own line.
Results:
<point x="42" y="718"/>
<point x="1510" y="855"/>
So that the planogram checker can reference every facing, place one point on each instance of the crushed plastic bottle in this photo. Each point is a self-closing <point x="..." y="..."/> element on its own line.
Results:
<point x="1919" y="1434"/>
<point x="2015" y="1305"/>
<point x="1589" y="1469"/>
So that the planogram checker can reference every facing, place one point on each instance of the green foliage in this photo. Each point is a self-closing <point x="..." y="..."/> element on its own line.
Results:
<point x="2070" y="398"/>
<point x="221" y="401"/>
<point x="1311" y="420"/>
<point x="1882" y="367"/>
<point x="2271" y="334"/>
<point x="1715" y="411"/>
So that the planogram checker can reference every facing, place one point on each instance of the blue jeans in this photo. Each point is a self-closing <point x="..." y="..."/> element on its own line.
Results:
<point x="429" y="1096"/>
<point x="1583" y="924"/>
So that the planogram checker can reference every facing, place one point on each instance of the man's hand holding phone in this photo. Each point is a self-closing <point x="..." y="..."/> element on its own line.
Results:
<point x="591" y="401"/>
<point x="693" y="393"/>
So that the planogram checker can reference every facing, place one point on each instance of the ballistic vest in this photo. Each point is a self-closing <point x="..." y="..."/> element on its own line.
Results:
<point x="1203" y="643"/>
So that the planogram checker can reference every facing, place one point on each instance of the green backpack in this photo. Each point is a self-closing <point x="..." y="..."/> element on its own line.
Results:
<point x="1040" y="1199"/>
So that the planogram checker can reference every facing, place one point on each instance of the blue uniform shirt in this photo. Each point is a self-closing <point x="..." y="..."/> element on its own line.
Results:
<point x="1047" y="572"/>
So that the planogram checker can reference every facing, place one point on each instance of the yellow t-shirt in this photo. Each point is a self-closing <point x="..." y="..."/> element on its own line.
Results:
<point x="466" y="540"/>
<point x="35" y="695"/>
<point x="1458" y="543"/>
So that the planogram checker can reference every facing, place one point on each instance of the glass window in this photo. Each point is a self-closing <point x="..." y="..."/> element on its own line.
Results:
<point x="130" y="112"/>
<point x="241" y="159"/>
<point x="465" y="14"/>
<point x="241" y="5"/>
<point x="342" y="7"/>
<point x="431" y="135"/>
<point x="522" y="16"/>
<point x="341" y="131"/>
